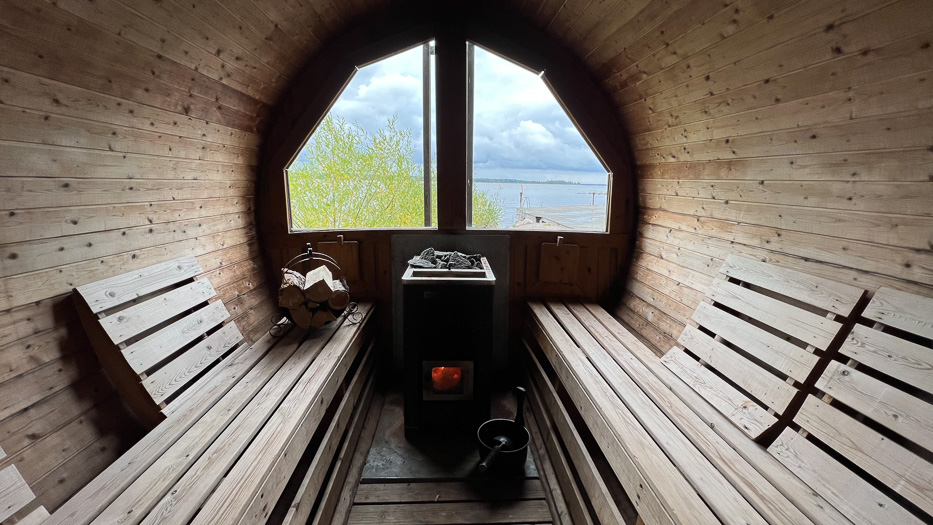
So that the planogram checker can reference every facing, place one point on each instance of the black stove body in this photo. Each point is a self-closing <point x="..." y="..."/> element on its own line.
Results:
<point x="448" y="337"/>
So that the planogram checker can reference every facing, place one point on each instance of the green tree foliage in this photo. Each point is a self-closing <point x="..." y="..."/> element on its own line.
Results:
<point x="346" y="177"/>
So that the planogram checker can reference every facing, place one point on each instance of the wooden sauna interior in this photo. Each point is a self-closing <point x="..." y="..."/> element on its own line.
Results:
<point x="134" y="132"/>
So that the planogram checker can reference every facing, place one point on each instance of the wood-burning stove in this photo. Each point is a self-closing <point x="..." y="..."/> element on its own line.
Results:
<point x="447" y="347"/>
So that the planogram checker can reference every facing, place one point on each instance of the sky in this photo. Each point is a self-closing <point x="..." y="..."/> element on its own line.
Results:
<point x="520" y="131"/>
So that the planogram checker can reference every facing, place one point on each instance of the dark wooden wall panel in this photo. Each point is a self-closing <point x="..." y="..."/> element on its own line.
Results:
<point x="129" y="135"/>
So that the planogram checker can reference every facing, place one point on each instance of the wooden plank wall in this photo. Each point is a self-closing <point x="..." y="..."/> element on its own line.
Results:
<point x="596" y="264"/>
<point x="129" y="135"/>
<point x="796" y="132"/>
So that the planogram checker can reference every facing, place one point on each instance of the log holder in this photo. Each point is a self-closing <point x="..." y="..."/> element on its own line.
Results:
<point x="310" y="255"/>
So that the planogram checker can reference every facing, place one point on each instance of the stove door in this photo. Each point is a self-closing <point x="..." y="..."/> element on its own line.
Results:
<point x="447" y="380"/>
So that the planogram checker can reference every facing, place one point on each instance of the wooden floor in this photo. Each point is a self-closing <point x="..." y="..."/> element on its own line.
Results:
<point x="434" y="482"/>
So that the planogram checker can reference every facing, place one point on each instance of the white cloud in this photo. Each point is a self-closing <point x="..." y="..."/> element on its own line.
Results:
<point x="518" y="125"/>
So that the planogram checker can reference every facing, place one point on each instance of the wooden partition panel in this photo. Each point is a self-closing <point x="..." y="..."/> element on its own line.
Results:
<point x="600" y="258"/>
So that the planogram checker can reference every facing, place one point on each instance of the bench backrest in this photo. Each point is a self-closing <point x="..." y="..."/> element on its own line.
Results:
<point x="756" y="339"/>
<point x="876" y="412"/>
<point x="156" y="331"/>
<point x="16" y="498"/>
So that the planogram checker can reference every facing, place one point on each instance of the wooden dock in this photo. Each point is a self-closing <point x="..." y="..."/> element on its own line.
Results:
<point x="576" y="218"/>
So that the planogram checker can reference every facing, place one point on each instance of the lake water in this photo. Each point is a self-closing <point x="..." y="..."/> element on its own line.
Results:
<point x="512" y="195"/>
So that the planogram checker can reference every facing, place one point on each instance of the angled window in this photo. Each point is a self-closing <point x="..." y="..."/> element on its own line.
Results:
<point x="529" y="159"/>
<point x="365" y="163"/>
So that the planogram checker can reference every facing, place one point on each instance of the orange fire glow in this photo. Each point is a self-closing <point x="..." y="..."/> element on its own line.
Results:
<point x="446" y="378"/>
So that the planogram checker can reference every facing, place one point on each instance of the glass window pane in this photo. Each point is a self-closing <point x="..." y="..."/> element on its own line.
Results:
<point x="532" y="169"/>
<point x="363" y="166"/>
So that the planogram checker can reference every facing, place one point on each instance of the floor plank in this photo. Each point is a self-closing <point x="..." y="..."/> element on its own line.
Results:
<point x="433" y="479"/>
<point x="450" y="491"/>
<point x="534" y="511"/>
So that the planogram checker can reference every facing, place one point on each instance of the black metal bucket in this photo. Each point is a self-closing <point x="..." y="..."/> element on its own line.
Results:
<point x="504" y="457"/>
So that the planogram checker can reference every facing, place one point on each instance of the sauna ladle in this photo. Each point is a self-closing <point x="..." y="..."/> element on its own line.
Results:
<point x="501" y="442"/>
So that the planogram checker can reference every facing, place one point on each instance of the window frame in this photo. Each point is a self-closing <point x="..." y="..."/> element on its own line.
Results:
<point x="427" y="50"/>
<point x="471" y="115"/>
<point x="450" y="26"/>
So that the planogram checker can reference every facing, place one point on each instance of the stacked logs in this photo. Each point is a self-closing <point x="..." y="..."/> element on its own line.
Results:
<point x="314" y="299"/>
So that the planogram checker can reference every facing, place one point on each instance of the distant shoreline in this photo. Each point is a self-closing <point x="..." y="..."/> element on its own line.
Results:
<point x="520" y="181"/>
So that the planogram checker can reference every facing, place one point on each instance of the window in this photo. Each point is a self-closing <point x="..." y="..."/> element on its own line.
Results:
<point x="528" y="156"/>
<point x="370" y="162"/>
<point x="364" y="164"/>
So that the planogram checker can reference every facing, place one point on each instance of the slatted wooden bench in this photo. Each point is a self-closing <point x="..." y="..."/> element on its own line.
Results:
<point x="156" y="331"/>
<point x="229" y="445"/>
<point x="671" y="465"/>
<point x="874" y="412"/>
<point x="758" y="340"/>
<point x="678" y="457"/>
<point x="15" y="496"/>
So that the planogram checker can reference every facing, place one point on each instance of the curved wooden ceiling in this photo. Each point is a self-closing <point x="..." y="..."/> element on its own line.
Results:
<point x="793" y="131"/>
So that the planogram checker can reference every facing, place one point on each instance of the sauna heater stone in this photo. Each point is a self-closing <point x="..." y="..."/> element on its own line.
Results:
<point x="447" y="349"/>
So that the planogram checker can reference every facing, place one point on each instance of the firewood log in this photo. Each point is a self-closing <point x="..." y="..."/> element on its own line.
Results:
<point x="319" y="285"/>
<point x="302" y="316"/>
<point x="321" y="317"/>
<point x="291" y="292"/>
<point x="340" y="298"/>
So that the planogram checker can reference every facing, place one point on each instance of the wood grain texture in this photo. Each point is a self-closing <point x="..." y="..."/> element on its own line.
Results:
<point x="798" y="323"/>
<point x="142" y="317"/>
<point x="36" y="517"/>
<point x="337" y="498"/>
<point x="114" y="291"/>
<point x="856" y="498"/>
<point x="777" y="131"/>
<point x="14" y="492"/>
<point x="720" y="495"/>
<point x="771" y="390"/>
<point x="908" y="312"/>
<point x="869" y="417"/>
<point x="443" y="492"/>
<point x="896" y="357"/>
<point x="148" y="351"/>
<point x="891" y="463"/>
<point x="183" y="369"/>
<point x="535" y="511"/>
<point x="786" y="357"/>
<point x="561" y="464"/>
<point x="812" y="121"/>
<point x="313" y="481"/>
<point x="894" y="409"/>
<point x="742" y="411"/>
<point x="131" y="137"/>
<point x="596" y="489"/>
<point x="275" y="450"/>
<point x="199" y="408"/>
<point x="826" y="294"/>
<point x="547" y="475"/>
<point x="671" y="493"/>
<point x="779" y="498"/>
